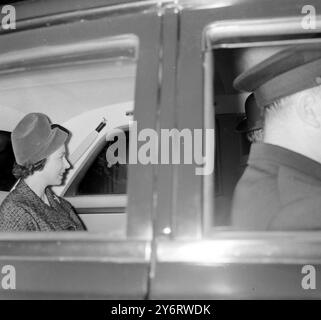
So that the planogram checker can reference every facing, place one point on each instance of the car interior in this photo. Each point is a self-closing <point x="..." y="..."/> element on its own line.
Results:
<point x="78" y="93"/>
<point x="232" y="148"/>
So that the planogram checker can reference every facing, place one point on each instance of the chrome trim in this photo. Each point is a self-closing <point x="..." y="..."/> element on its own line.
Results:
<point x="209" y="123"/>
<point x="207" y="4"/>
<point x="79" y="246"/>
<point x="107" y="210"/>
<point x="80" y="15"/>
<point x="98" y="201"/>
<point x="173" y="219"/>
<point x="152" y="265"/>
<point x="22" y="59"/>
<point x="224" y="34"/>
<point x="249" y="248"/>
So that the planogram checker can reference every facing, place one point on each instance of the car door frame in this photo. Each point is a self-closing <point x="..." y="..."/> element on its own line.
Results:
<point x="193" y="259"/>
<point x="82" y="265"/>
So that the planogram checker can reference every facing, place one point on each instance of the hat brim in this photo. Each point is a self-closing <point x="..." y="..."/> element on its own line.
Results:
<point x="58" y="138"/>
<point x="279" y="63"/>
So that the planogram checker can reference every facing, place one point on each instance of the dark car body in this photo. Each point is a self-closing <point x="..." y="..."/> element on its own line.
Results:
<point x="172" y="247"/>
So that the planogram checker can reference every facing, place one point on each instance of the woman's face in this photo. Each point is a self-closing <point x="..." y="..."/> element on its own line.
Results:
<point x="55" y="167"/>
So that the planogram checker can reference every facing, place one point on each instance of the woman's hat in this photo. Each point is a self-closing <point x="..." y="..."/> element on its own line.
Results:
<point x="35" y="138"/>
<point x="253" y="119"/>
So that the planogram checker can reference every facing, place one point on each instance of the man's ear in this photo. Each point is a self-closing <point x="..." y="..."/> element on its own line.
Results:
<point x="307" y="112"/>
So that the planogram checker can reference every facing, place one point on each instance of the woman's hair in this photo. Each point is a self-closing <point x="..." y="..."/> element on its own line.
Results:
<point x="24" y="171"/>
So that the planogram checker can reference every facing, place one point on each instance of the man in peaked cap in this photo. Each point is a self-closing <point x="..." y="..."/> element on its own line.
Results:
<point x="281" y="187"/>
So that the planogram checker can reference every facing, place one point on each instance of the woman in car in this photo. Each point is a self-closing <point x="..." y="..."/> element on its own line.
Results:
<point x="40" y="153"/>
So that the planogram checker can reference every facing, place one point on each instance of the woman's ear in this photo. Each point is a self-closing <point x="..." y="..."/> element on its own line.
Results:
<point x="306" y="108"/>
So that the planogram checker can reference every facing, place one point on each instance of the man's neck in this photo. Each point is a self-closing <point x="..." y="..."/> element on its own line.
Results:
<point x="294" y="143"/>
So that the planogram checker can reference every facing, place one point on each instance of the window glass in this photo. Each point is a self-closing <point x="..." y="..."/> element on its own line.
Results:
<point x="81" y="91"/>
<point x="100" y="177"/>
<point x="232" y="143"/>
<point x="76" y="95"/>
<point x="64" y="92"/>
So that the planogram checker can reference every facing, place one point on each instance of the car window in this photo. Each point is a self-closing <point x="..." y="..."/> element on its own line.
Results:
<point x="100" y="177"/>
<point x="232" y="142"/>
<point x="90" y="92"/>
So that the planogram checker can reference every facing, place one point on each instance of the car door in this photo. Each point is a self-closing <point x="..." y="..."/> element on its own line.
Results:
<point x="80" y="63"/>
<point x="198" y="253"/>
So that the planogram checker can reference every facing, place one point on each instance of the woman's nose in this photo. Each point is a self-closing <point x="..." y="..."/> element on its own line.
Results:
<point x="66" y="163"/>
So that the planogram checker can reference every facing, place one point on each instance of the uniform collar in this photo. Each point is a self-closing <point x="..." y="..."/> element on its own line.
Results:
<point x="265" y="152"/>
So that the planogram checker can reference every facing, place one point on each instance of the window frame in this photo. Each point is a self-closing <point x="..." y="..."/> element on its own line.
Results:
<point x="57" y="56"/>
<point x="113" y="206"/>
<point x="221" y="264"/>
<point x="86" y="165"/>
<point x="227" y="35"/>
<point x="105" y="267"/>
<point x="188" y="200"/>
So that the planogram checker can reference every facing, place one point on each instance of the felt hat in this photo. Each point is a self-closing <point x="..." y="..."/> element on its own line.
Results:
<point x="35" y="138"/>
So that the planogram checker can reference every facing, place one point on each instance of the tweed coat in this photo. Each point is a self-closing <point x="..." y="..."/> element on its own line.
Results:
<point x="23" y="210"/>
<point x="279" y="190"/>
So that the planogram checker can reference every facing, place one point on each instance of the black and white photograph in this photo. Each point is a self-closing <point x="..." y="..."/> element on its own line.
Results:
<point x="160" y="150"/>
